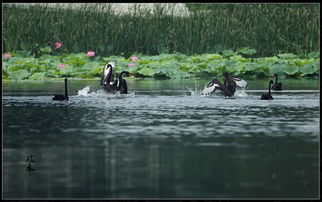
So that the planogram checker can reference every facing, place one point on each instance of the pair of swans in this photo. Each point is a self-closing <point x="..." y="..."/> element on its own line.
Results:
<point x="107" y="79"/>
<point x="275" y="86"/>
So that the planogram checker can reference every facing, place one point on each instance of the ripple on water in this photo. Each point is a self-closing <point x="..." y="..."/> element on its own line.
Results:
<point x="99" y="114"/>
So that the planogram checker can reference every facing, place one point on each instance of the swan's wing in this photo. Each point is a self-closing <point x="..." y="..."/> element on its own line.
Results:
<point x="240" y="82"/>
<point x="211" y="87"/>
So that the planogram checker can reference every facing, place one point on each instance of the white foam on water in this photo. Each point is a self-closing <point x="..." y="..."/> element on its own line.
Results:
<point x="131" y="95"/>
<point x="195" y="92"/>
<point x="241" y="93"/>
<point x="86" y="93"/>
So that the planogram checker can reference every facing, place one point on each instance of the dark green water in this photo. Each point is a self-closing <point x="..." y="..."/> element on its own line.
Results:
<point x="161" y="141"/>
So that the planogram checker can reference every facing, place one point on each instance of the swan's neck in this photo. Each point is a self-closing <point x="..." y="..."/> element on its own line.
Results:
<point x="226" y="80"/>
<point x="120" y="78"/>
<point x="66" y="93"/>
<point x="109" y="75"/>
<point x="276" y="79"/>
<point x="269" y="88"/>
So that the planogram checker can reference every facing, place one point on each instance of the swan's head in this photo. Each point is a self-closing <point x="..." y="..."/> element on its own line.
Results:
<point x="127" y="73"/>
<point x="274" y="75"/>
<point x="109" y="67"/>
<point x="112" y="64"/>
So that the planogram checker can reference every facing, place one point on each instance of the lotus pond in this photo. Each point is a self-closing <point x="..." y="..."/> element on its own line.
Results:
<point x="49" y="64"/>
<point x="162" y="140"/>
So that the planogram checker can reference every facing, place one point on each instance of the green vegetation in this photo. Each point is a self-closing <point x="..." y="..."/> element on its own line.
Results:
<point x="44" y="43"/>
<point x="52" y="64"/>
<point x="271" y="29"/>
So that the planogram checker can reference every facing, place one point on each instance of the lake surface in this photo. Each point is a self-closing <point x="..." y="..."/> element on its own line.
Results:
<point x="162" y="140"/>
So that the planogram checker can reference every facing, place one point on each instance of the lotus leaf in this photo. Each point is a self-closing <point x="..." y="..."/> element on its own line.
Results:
<point x="19" y="74"/>
<point x="276" y="69"/>
<point x="51" y="73"/>
<point x="147" y="72"/>
<point x="247" y="51"/>
<point x="133" y="70"/>
<point x="309" y="69"/>
<point x="239" y="58"/>
<point x="68" y="70"/>
<point x="314" y="54"/>
<point x="290" y="69"/>
<point x="77" y="61"/>
<point x="228" y="53"/>
<point x="46" y="49"/>
<point x="37" y="76"/>
<point x="160" y="66"/>
<point x="91" y="65"/>
<point x="287" y="55"/>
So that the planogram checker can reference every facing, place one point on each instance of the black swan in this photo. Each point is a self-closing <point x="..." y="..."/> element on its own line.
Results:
<point x="276" y="86"/>
<point x="268" y="96"/>
<point x="107" y="83"/>
<point x="229" y="86"/>
<point x="214" y="85"/>
<point x="62" y="97"/>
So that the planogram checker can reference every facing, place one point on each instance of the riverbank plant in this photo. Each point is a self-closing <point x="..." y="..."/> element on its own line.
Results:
<point x="209" y="28"/>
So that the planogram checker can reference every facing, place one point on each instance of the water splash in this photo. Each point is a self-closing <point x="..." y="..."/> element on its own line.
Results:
<point x="241" y="93"/>
<point x="101" y="93"/>
<point x="132" y="94"/>
<point x="84" y="91"/>
<point x="195" y="92"/>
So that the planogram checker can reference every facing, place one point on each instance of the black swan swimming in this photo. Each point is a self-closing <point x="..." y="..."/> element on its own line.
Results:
<point x="229" y="86"/>
<point x="107" y="83"/>
<point x="268" y="95"/>
<point x="62" y="97"/>
<point x="276" y="86"/>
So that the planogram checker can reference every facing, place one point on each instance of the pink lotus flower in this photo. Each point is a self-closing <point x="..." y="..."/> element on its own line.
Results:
<point x="90" y="53"/>
<point x="131" y="65"/>
<point x="7" y="55"/>
<point x="58" y="45"/>
<point x="61" y="66"/>
<point x="133" y="58"/>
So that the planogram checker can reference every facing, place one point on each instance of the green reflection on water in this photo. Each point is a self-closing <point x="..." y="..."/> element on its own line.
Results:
<point x="52" y="87"/>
